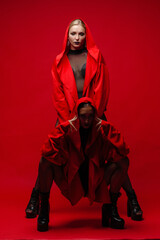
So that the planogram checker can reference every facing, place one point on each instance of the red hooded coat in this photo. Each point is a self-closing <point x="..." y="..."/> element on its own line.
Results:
<point x="96" y="84"/>
<point x="63" y="148"/>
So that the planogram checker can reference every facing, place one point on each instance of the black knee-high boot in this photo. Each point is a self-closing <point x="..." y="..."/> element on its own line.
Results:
<point x="43" y="218"/>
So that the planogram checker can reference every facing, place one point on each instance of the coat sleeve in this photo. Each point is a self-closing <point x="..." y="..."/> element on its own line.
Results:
<point x="101" y="87"/>
<point x="54" y="149"/>
<point x="115" y="138"/>
<point x="59" y="99"/>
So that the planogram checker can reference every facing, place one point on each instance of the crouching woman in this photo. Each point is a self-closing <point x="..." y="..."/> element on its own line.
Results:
<point x="84" y="156"/>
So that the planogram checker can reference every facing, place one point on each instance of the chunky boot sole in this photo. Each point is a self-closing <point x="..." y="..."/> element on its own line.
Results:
<point x="31" y="215"/>
<point x="136" y="217"/>
<point x="117" y="225"/>
<point x="112" y="224"/>
<point x="42" y="227"/>
<point x="133" y="215"/>
<point x="110" y="220"/>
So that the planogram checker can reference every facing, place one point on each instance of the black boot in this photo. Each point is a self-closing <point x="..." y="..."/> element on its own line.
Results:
<point x="33" y="205"/>
<point x="43" y="218"/>
<point x="133" y="209"/>
<point x="116" y="221"/>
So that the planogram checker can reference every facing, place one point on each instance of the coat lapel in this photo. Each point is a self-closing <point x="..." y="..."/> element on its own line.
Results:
<point x="67" y="77"/>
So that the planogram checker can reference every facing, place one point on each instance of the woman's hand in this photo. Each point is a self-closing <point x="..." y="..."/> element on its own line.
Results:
<point x="98" y="124"/>
<point x="71" y="122"/>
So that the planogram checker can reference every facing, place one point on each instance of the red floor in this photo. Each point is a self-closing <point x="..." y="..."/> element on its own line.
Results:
<point x="67" y="222"/>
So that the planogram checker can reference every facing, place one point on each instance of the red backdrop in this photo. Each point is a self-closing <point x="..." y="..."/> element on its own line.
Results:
<point x="127" y="33"/>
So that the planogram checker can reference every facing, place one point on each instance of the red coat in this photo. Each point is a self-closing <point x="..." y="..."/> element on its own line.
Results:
<point x="63" y="148"/>
<point x="96" y="84"/>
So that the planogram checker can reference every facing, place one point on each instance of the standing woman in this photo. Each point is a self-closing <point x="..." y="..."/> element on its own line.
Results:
<point x="78" y="71"/>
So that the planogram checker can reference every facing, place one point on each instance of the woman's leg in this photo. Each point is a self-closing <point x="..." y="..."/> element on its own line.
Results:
<point x="115" y="174"/>
<point x="119" y="175"/>
<point x="32" y="208"/>
<point x="133" y="208"/>
<point x="33" y="204"/>
<point x="46" y="176"/>
<point x="37" y="183"/>
<point x="127" y="186"/>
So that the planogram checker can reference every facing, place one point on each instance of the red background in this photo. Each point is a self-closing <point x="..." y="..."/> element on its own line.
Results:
<point x="32" y="32"/>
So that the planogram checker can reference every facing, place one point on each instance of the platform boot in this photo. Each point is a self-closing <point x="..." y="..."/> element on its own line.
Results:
<point x="33" y="205"/>
<point x="116" y="221"/>
<point x="110" y="216"/>
<point x="43" y="218"/>
<point x="133" y="209"/>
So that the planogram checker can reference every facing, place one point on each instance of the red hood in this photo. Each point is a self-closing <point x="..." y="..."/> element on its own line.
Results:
<point x="85" y="100"/>
<point x="90" y="45"/>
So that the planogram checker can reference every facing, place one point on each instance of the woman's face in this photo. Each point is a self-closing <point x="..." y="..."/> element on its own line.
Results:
<point x="86" y="116"/>
<point x="77" y="37"/>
